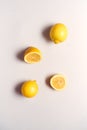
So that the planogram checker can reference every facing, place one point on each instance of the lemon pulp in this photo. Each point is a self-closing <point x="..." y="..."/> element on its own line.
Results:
<point x="58" y="82"/>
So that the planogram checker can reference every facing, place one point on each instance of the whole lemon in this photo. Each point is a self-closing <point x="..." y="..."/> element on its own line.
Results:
<point x="58" y="33"/>
<point x="29" y="88"/>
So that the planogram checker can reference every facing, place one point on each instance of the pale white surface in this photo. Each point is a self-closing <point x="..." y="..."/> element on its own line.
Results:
<point x="22" y="23"/>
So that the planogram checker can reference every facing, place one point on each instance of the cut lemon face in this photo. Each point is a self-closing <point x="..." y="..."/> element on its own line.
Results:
<point x="58" y="82"/>
<point x="32" y="55"/>
<point x="29" y="88"/>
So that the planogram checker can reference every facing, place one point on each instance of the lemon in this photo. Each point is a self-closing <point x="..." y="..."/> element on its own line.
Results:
<point x="32" y="55"/>
<point x="58" y="82"/>
<point x="58" y="33"/>
<point x="29" y="88"/>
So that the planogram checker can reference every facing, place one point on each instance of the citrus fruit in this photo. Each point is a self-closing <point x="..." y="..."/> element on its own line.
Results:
<point x="29" y="88"/>
<point x="58" y="82"/>
<point x="58" y="33"/>
<point x="32" y="55"/>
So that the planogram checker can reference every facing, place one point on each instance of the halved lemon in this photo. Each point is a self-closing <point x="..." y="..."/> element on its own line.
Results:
<point x="29" y="88"/>
<point x="58" y="82"/>
<point x="32" y="55"/>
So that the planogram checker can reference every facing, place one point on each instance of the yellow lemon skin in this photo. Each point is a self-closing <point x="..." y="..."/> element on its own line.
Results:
<point x="32" y="55"/>
<point x="29" y="88"/>
<point x="58" y="33"/>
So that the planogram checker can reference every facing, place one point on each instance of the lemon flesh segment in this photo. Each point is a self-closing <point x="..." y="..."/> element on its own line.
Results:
<point x="29" y="89"/>
<point x="32" y="55"/>
<point x="58" y="33"/>
<point x="58" y="82"/>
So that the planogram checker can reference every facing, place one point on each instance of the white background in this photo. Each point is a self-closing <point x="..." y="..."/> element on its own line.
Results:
<point x="26" y="23"/>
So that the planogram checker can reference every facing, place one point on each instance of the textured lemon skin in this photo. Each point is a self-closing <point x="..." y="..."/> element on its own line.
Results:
<point x="29" y="88"/>
<point x="58" y="33"/>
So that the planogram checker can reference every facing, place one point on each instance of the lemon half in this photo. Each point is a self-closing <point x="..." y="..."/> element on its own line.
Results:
<point x="32" y="55"/>
<point x="58" y="82"/>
